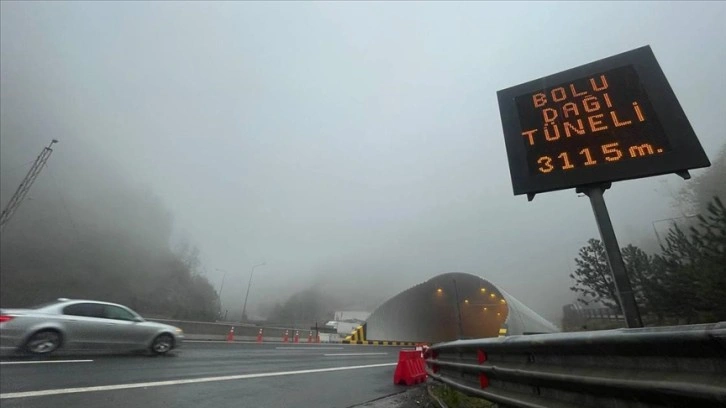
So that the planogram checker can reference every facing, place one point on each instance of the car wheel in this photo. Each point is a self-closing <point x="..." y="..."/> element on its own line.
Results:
<point x="162" y="343"/>
<point x="43" y="342"/>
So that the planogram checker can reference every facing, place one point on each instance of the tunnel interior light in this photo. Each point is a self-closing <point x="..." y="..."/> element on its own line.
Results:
<point x="499" y="314"/>
<point x="485" y="309"/>
<point x="493" y="295"/>
<point x="503" y="301"/>
<point x="466" y="301"/>
<point x="483" y="290"/>
<point x="439" y="290"/>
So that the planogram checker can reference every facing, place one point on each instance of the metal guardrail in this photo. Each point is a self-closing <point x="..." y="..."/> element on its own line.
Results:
<point x="683" y="366"/>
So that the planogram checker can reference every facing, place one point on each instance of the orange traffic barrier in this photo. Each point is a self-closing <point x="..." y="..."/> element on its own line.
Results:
<point x="317" y="338"/>
<point x="411" y="368"/>
<point x="297" y="336"/>
<point x="285" y="337"/>
<point x="310" y="337"/>
<point x="259" y="336"/>
<point x="230" y="335"/>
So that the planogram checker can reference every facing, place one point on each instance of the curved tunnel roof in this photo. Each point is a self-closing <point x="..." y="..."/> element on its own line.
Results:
<point x="428" y="312"/>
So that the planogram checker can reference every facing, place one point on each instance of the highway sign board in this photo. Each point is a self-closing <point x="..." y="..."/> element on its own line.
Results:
<point x="613" y="119"/>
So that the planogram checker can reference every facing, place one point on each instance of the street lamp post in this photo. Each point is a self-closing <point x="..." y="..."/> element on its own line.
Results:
<point x="668" y="219"/>
<point x="221" y="286"/>
<point x="244" y="308"/>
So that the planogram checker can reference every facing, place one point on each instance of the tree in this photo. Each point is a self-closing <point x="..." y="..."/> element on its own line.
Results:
<point x="592" y="277"/>
<point x="643" y="278"/>
<point x="693" y="268"/>
<point x="685" y="283"/>
<point x="307" y="306"/>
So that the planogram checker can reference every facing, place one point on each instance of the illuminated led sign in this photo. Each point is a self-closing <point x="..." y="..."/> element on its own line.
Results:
<point x="609" y="120"/>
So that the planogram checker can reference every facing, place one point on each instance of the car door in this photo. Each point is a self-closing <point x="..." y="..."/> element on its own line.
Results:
<point x="85" y="326"/>
<point x="125" y="329"/>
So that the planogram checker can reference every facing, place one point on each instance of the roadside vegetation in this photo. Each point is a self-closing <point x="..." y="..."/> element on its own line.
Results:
<point x="87" y="232"/>
<point x="682" y="283"/>
<point x="457" y="399"/>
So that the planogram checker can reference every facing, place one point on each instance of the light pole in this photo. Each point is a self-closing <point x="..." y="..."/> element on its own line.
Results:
<point x="221" y="286"/>
<point x="668" y="219"/>
<point x="244" y="308"/>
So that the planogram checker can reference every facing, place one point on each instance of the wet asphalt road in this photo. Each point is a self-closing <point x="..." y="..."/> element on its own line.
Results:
<point x="204" y="374"/>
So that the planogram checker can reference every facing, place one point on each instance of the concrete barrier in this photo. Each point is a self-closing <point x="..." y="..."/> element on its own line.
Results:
<point x="242" y="332"/>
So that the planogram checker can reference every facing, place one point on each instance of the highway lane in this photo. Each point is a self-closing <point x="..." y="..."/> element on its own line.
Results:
<point x="205" y="375"/>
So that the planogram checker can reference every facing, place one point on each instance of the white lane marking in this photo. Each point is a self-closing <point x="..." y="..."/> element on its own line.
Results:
<point x="43" y="393"/>
<point x="354" y="354"/>
<point x="308" y="348"/>
<point x="44" y="362"/>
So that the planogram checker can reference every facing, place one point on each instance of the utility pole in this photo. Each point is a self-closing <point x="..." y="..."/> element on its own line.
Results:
<point x="25" y="185"/>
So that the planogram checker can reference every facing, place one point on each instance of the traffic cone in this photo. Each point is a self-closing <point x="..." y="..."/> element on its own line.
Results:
<point x="259" y="336"/>
<point x="297" y="336"/>
<point x="310" y="337"/>
<point x="230" y="335"/>
<point x="284" y="338"/>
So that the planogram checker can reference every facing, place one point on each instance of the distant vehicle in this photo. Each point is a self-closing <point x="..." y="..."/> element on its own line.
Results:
<point x="84" y="325"/>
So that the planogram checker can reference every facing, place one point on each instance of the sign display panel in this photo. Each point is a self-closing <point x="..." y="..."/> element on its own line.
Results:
<point x="610" y="120"/>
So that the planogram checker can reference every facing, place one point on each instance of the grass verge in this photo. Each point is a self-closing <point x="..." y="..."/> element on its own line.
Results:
<point x="457" y="399"/>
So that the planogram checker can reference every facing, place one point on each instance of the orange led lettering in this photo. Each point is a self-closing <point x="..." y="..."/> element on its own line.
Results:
<point x="551" y="138"/>
<point x="617" y="122"/>
<point x="570" y="107"/>
<point x="638" y="112"/>
<point x="588" y="156"/>
<point x="607" y="100"/>
<point x="641" y="150"/>
<point x="549" y="114"/>
<point x="591" y="104"/>
<point x="575" y="93"/>
<point x="530" y="135"/>
<point x="580" y="130"/>
<point x="611" y="152"/>
<point x="566" y="159"/>
<point x="539" y="100"/>
<point x="595" y="123"/>
<point x="558" y="94"/>
<point x="603" y="84"/>
<point x="545" y="164"/>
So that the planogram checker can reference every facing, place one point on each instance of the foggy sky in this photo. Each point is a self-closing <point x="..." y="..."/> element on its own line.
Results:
<point x="356" y="146"/>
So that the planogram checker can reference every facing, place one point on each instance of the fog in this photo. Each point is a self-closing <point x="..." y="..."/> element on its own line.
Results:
<point x="355" y="147"/>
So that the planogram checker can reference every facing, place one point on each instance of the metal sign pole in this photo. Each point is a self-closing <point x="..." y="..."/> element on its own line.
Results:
<point x="614" y="257"/>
